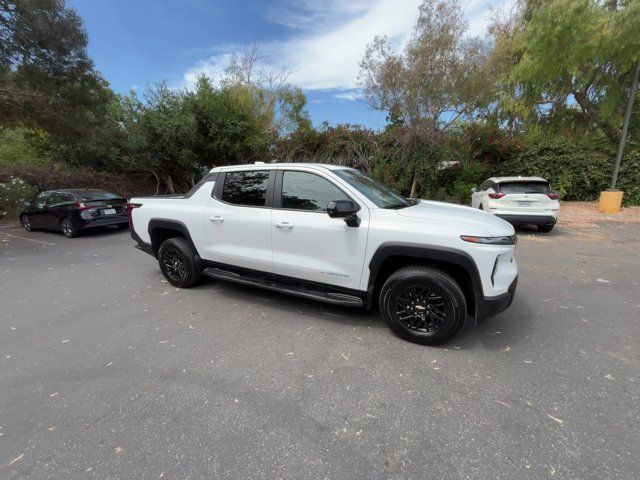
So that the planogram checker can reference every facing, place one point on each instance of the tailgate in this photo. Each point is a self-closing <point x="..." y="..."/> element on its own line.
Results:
<point x="526" y="201"/>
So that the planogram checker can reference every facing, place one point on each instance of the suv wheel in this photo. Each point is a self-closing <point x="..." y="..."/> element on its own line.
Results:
<point x="177" y="262"/>
<point x="68" y="229"/>
<point x="423" y="305"/>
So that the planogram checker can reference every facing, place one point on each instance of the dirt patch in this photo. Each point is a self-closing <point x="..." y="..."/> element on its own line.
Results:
<point x="586" y="214"/>
<point x="582" y="220"/>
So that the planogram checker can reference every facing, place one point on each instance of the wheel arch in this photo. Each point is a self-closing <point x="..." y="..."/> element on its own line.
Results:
<point x="391" y="256"/>
<point x="161" y="229"/>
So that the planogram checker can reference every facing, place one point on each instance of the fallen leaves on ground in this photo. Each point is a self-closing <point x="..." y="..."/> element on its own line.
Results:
<point x="555" y="419"/>
<point x="17" y="459"/>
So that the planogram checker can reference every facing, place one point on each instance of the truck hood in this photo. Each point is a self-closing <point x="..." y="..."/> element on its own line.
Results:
<point x="471" y="217"/>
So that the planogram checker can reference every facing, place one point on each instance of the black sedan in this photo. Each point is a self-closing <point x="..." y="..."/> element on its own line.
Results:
<point x="73" y="210"/>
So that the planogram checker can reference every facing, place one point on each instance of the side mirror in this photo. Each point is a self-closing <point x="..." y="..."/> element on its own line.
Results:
<point x="474" y="190"/>
<point x="344" y="209"/>
<point x="26" y="203"/>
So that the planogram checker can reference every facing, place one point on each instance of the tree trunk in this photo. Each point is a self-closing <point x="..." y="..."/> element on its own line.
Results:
<point x="169" y="182"/>
<point x="414" y="184"/>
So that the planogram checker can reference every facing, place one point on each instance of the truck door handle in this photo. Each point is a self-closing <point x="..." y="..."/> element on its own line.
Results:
<point x="216" y="219"/>
<point x="284" y="225"/>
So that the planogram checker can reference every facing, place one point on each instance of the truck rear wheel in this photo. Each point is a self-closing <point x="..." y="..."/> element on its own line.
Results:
<point x="177" y="262"/>
<point x="423" y="305"/>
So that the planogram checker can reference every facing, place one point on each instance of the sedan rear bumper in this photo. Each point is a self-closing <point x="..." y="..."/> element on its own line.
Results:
<point x="104" y="221"/>
<point x="517" y="219"/>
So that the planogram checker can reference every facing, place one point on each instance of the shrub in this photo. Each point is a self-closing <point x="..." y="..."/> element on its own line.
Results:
<point x="49" y="178"/>
<point x="13" y="194"/>
<point x="576" y="171"/>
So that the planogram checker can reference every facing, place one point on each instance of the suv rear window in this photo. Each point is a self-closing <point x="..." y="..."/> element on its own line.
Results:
<point x="524" y="187"/>
<point x="246" y="188"/>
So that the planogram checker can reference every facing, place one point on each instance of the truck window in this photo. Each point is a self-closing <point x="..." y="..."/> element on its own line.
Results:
<point x="246" y="188"/>
<point x="306" y="191"/>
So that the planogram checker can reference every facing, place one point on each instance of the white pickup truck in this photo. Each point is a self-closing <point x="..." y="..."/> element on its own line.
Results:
<point x="333" y="234"/>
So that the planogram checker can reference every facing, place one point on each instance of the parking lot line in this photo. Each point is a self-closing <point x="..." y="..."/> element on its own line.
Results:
<point x="27" y="239"/>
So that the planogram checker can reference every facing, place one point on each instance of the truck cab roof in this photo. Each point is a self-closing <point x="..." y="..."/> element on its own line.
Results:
<point x="268" y="166"/>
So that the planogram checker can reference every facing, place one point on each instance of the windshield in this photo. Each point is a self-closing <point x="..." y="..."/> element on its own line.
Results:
<point x="379" y="194"/>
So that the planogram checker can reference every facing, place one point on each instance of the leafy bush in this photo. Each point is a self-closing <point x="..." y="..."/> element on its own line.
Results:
<point x="48" y="178"/>
<point x="576" y="171"/>
<point x="13" y="194"/>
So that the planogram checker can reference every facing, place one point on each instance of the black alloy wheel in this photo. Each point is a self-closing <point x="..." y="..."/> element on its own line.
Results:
<point x="173" y="264"/>
<point x="177" y="261"/>
<point x="423" y="305"/>
<point x="421" y="310"/>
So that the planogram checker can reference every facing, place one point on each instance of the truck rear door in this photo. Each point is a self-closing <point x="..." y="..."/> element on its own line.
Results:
<point x="237" y="224"/>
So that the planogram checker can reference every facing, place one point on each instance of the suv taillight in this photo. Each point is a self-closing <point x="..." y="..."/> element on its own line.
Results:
<point x="553" y="195"/>
<point x="80" y="206"/>
<point x="130" y="207"/>
<point x="496" y="196"/>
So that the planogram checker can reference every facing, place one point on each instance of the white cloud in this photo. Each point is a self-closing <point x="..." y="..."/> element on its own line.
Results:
<point x="349" y="95"/>
<point x="330" y="37"/>
<point x="213" y="67"/>
<point x="480" y="12"/>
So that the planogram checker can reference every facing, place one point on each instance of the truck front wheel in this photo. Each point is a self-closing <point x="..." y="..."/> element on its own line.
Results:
<point x="423" y="305"/>
<point x="177" y="262"/>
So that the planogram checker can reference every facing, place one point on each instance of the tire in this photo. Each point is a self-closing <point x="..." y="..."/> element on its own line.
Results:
<point x="68" y="229"/>
<point x="26" y="223"/>
<point x="545" y="228"/>
<point x="123" y="226"/>
<point x="178" y="263"/>
<point x="435" y="305"/>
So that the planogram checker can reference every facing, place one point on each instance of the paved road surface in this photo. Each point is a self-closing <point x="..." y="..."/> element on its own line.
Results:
<point x="108" y="372"/>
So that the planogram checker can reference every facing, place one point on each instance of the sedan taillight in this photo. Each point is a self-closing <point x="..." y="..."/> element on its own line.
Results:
<point x="496" y="196"/>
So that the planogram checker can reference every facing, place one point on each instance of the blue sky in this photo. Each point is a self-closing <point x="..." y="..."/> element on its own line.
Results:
<point x="136" y="42"/>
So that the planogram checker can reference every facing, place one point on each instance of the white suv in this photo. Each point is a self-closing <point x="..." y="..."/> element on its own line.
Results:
<point x="333" y="234"/>
<point x="519" y="200"/>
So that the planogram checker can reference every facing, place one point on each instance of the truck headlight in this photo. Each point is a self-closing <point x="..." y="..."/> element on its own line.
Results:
<point x="506" y="240"/>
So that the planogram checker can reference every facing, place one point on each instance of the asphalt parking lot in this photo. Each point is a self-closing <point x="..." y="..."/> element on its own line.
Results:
<point x="106" y="371"/>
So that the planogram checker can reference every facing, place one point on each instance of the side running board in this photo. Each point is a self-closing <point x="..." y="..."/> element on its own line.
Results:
<point x="327" y="297"/>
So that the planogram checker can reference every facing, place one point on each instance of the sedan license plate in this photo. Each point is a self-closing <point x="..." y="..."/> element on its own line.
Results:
<point x="109" y="211"/>
<point x="525" y="204"/>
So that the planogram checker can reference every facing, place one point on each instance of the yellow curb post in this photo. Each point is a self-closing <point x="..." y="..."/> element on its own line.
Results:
<point x="610" y="201"/>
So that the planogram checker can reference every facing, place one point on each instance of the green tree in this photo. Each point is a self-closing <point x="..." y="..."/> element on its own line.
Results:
<point x="436" y="80"/>
<point x="567" y="64"/>
<point x="47" y="79"/>
<point x="278" y="104"/>
<point x="159" y="137"/>
<point x="227" y="129"/>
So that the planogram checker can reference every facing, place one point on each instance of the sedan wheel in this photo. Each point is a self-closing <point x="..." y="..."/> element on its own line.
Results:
<point x="26" y="223"/>
<point x="68" y="229"/>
